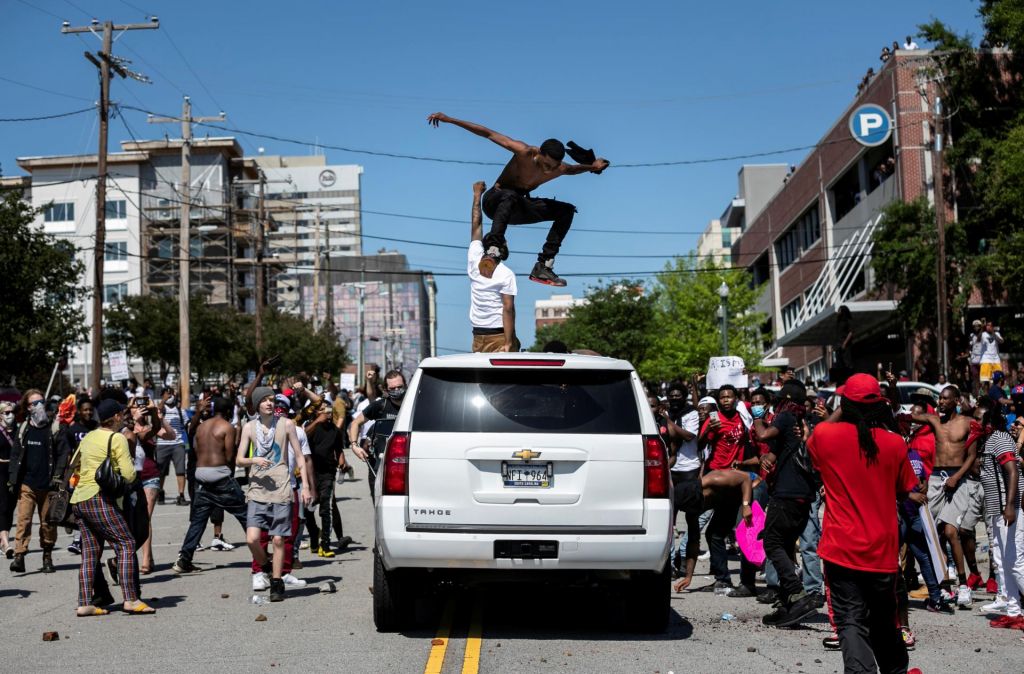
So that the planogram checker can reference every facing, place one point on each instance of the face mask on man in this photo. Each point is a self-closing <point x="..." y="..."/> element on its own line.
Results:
<point x="758" y="411"/>
<point x="39" y="417"/>
<point x="397" y="393"/>
<point x="7" y="419"/>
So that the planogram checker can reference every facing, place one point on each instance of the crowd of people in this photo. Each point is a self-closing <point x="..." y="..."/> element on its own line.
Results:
<point x="98" y="464"/>
<point x="869" y="509"/>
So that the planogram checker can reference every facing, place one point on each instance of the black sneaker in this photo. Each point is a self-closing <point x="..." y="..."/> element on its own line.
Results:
<point x="831" y="642"/>
<point x="48" y="566"/>
<point x="276" y="589"/>
<point x="799" y="610"/>
<point x="18" y="565"/>
<point x="769" y="596"/>
<point x="181" y="500"/>
<point x="183" y="566"/>
<point x="775" y="617"/>
<point x="741" y="592"/>
<point x="160" y="497"/>
<point x="819" y="599"/>
<point x="344" y="542"/>
<point x="544" y="272"/>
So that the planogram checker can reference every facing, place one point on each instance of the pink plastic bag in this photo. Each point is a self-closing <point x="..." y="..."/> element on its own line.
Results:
<point x="747" y="536"/>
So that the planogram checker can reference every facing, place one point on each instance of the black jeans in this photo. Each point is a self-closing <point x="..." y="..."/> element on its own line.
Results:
<point x="864" y="611"/>
<point x="224" y="494"/>
<point x="784" y="522"/>
<point x="328" y="510"/>
<point x="721" y="525"/>
<point x="372" y="461"/>
<point x="508" y="207"/>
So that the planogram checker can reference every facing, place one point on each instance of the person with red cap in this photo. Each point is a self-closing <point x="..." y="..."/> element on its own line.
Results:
<point x="864" y="470"/>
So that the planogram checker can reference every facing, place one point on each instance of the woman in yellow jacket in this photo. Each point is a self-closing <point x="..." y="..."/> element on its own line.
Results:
<point x="98" y="517"/>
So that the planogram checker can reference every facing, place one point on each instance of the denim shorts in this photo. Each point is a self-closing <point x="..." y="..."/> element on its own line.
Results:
<point x="151" y="483"/>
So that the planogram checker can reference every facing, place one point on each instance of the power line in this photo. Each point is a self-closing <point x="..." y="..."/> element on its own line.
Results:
<point x="444" y="160"/>
<point x="45" y="91"/>
<point x="45" y="117"/>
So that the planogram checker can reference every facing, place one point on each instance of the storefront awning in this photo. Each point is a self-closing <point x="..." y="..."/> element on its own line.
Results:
<point x="868" y="316"/>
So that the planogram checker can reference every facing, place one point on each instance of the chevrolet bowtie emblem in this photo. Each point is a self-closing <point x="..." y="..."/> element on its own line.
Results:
<point x="526" y="454"/>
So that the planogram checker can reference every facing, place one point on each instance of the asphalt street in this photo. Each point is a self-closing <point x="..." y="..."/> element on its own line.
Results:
<point x="207" y="622"/>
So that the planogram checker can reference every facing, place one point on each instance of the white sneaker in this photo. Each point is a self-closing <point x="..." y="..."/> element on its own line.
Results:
<point x="292" y="581"/>
<point x="704" y="555"/>
<point x="200" y="547"/>
<point x="221" y="544"/>
<point x="998" y="606"/>
<point x="304" y="545"/>
<point x="964" y="597"/>
<point x="950" y="573"/>
<point x="260" y="582"/>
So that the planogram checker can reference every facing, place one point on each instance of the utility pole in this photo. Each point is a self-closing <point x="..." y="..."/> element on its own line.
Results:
<point x="940" y="223"/>
<point x="330" y="286"/>
<point x="185" y="240"/>
<point x="260" y="249"/>
<point x="105" y="61"/>
<point x="316" y="273"/>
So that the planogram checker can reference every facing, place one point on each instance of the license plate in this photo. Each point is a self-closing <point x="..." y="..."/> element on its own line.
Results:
<point x="526" y="474"/>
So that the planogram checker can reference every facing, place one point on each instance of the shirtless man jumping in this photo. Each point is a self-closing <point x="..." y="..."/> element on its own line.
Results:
<point x="508" y="202"/>
<point x="216" y="486"/>
<point x="949" y="495"/>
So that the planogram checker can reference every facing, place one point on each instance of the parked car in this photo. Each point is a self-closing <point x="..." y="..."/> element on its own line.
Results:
<point x="510" y="467"/>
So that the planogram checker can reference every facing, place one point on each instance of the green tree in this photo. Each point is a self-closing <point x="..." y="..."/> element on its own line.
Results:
<point x="905" y="258"/>
<point x="43" y="296"/>
<point x="302" y="349"/>
<point x="616" y="321"/>
<point x="687" y="331"/>
<point x="146" y="326"/>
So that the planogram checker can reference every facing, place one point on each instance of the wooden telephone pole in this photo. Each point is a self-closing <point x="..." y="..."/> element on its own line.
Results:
<point x="105" y="61"/>
<point x="185" y="240"/>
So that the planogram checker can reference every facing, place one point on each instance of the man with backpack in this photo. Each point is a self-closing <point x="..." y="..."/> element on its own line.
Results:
<point x="791" y="487"/>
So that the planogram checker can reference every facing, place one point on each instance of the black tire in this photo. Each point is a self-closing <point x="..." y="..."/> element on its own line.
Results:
<point x="648" y="601"/>
<point x="394" y="603"/>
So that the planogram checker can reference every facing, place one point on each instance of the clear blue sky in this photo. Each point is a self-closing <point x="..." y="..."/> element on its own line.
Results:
<point x="641" y="82"/>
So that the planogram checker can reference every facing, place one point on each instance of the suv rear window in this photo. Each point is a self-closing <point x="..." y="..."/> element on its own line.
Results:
<point x="526" y="401"/>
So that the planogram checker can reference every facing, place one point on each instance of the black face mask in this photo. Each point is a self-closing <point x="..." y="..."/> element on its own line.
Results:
<point x="396" y="394"/>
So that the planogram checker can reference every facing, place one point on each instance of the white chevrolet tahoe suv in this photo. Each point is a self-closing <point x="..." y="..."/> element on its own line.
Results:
<point x="507" y="465"/>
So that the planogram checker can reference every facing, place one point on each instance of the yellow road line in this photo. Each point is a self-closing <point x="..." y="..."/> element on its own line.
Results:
<point x="435" y="662"/>
<point x="471" y="660"/>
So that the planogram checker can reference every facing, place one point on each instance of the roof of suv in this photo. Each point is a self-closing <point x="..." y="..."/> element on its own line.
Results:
<point x="522" y="359"/>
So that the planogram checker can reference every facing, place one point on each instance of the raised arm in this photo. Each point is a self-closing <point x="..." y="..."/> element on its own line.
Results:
<point x="476" y="222"/>
<point x="514" y="146"/>
<point x="576" y="169"/>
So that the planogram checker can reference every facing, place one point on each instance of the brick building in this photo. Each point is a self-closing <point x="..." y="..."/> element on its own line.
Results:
<point x="811" y="244"/>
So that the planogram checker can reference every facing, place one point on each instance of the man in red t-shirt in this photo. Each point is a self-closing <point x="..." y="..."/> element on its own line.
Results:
<point x="864" y="468"/>
<point x="728" y="439"/>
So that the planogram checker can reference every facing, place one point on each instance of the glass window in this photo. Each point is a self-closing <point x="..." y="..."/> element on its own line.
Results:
<point x="61" y="212"/>
<point x="114" y="292"/>
<point x="551" y="400"/>
<point x="116" y="251"/>
<point x="803" y="234"/>
<point x="164" y="248"/>
<point x="116" y="210"/>
<point x="195" y="247"/>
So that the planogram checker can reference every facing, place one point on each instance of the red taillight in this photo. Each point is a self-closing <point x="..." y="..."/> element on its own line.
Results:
<point x="396" y="465"/>
<point x="523" y="362"/>
<point x="656" y="477"/>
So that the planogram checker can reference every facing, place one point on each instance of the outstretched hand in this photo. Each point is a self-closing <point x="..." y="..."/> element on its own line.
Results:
<point x="436" y="119"/>
<point x="600" y="165"/>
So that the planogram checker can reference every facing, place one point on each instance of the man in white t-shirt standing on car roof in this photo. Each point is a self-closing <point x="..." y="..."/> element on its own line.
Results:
<point x="492" y="288"/>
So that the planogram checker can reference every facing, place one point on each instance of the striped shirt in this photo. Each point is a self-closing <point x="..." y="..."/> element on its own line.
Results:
<point x="175" y="418"/>
<point x="998" y="450"/>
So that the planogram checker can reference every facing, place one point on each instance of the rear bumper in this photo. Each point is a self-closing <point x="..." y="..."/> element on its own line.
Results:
<point x="403" y="545"/>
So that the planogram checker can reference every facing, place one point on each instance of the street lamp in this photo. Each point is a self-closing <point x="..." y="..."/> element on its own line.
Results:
<point x="723" y="314"/>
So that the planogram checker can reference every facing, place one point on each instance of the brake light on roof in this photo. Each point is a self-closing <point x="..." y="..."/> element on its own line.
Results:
<point x="527" y="362"/>
<point x="656" y="476"/>
<point x="396" y="465"/>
